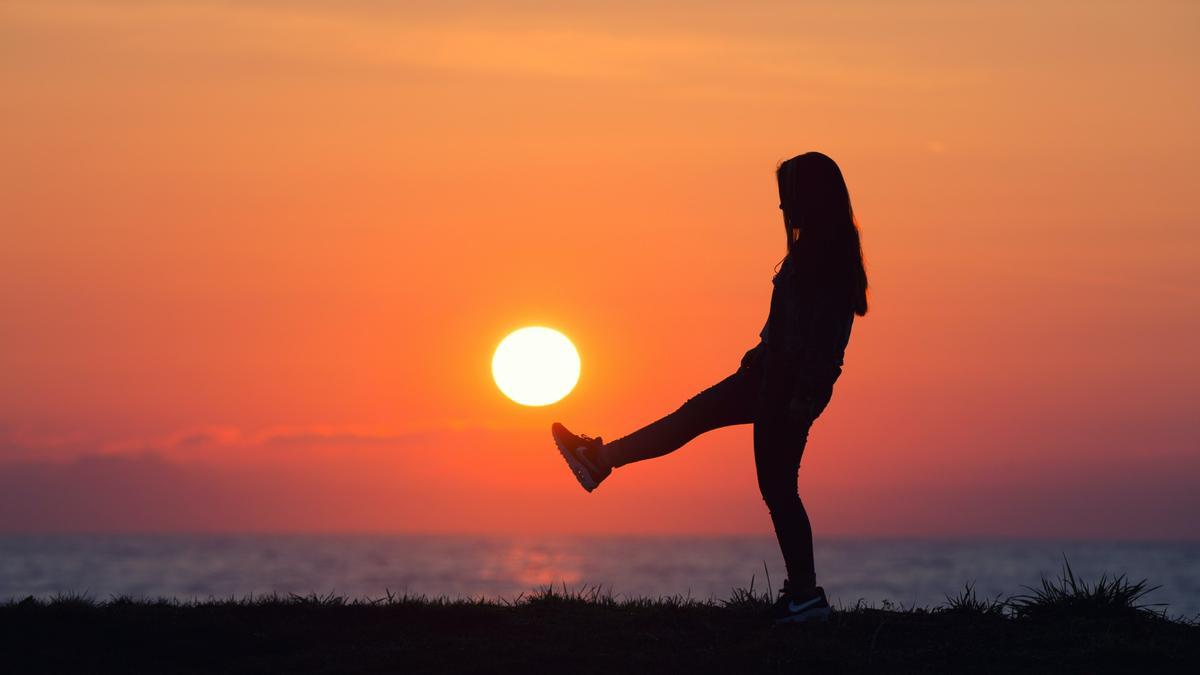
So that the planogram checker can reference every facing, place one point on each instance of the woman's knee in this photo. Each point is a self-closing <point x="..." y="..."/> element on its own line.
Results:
<point x="778" y="491"/>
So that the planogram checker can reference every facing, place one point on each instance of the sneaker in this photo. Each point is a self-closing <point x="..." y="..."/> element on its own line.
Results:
<point x="800" y="608"/>
<point x="581" y="455"/>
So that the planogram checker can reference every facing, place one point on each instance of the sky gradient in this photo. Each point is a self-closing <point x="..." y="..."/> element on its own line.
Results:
<point x="256" y="257"/>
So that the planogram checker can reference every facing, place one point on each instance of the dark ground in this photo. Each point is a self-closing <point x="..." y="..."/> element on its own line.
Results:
<point x="590" y="633"/>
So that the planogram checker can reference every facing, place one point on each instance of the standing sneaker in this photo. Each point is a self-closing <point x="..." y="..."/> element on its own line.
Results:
<point x="582" y="455"/>
<point x="800" y="607"/>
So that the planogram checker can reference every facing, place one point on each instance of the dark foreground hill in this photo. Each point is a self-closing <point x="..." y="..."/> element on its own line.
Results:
<point x="1058" y="628"/>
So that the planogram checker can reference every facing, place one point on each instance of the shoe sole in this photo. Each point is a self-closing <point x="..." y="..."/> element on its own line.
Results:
<point x="580" y="471"/>
<point x="817" y="615"/>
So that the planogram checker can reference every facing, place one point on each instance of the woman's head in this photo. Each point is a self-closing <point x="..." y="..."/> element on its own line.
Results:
<point x="822" y="234"/>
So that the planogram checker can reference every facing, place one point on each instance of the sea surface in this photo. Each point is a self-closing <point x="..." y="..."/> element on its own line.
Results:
<point x="904" y="572"/>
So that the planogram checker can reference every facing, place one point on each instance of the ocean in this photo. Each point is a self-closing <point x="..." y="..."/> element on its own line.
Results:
<point x="905" y="572"/>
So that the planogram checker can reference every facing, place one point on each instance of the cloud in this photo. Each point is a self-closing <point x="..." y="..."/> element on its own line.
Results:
<point x="381" y="38"/>
<point x="217" y="437"/>
<point x="511" y="482"/>
<point x="295" y="437"/>
<point x="307" y="438"/>
<point x="149" y="492"/>
<point x="567" y="43"/>
<point x="23" y="444"/>
<point x="211" y="442"/>
<point x="103" y="492"/>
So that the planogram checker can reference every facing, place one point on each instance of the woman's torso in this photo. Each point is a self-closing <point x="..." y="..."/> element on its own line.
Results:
<point x="807" y="330"/>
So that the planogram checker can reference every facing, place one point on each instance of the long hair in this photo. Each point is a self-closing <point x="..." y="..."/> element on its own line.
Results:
<point x="824" y="246"/>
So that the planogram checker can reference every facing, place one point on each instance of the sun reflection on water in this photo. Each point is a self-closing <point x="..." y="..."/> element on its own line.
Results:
<point x="533" y="565"/>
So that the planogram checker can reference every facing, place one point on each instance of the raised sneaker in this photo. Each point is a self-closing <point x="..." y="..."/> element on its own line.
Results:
<point x="801" y="607"/>
<point x="582" y="455"/>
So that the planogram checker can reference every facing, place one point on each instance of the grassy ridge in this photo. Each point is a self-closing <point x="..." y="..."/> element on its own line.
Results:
<point x="1063" y="626"/>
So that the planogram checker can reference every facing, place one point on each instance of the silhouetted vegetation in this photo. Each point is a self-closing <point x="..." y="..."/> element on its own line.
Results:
<point x="1064" y="625"/>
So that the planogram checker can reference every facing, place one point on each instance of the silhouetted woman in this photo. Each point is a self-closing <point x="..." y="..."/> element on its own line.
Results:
<point x="783" y="383"/>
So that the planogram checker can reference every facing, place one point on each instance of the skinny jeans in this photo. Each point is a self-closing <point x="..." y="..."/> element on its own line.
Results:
<point x="781" y="424"/>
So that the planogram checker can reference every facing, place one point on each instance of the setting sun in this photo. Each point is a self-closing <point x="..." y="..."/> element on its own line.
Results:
<point x="535" y="366"/>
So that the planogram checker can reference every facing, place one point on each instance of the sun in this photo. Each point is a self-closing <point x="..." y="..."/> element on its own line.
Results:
<point x="535" y="366"/>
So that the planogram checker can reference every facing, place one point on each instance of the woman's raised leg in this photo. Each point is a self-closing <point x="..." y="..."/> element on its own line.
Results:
<point x="726" y="403"/>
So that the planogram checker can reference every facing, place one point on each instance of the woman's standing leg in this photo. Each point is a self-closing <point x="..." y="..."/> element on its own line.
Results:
<point x="726" y="403"/>
<point x="780" y="434"/>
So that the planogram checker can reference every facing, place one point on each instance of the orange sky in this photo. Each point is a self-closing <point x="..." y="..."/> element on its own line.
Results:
<point x="256" y="256"/>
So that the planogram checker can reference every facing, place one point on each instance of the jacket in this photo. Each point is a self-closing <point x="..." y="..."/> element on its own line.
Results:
<point x="804" y="340"/>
